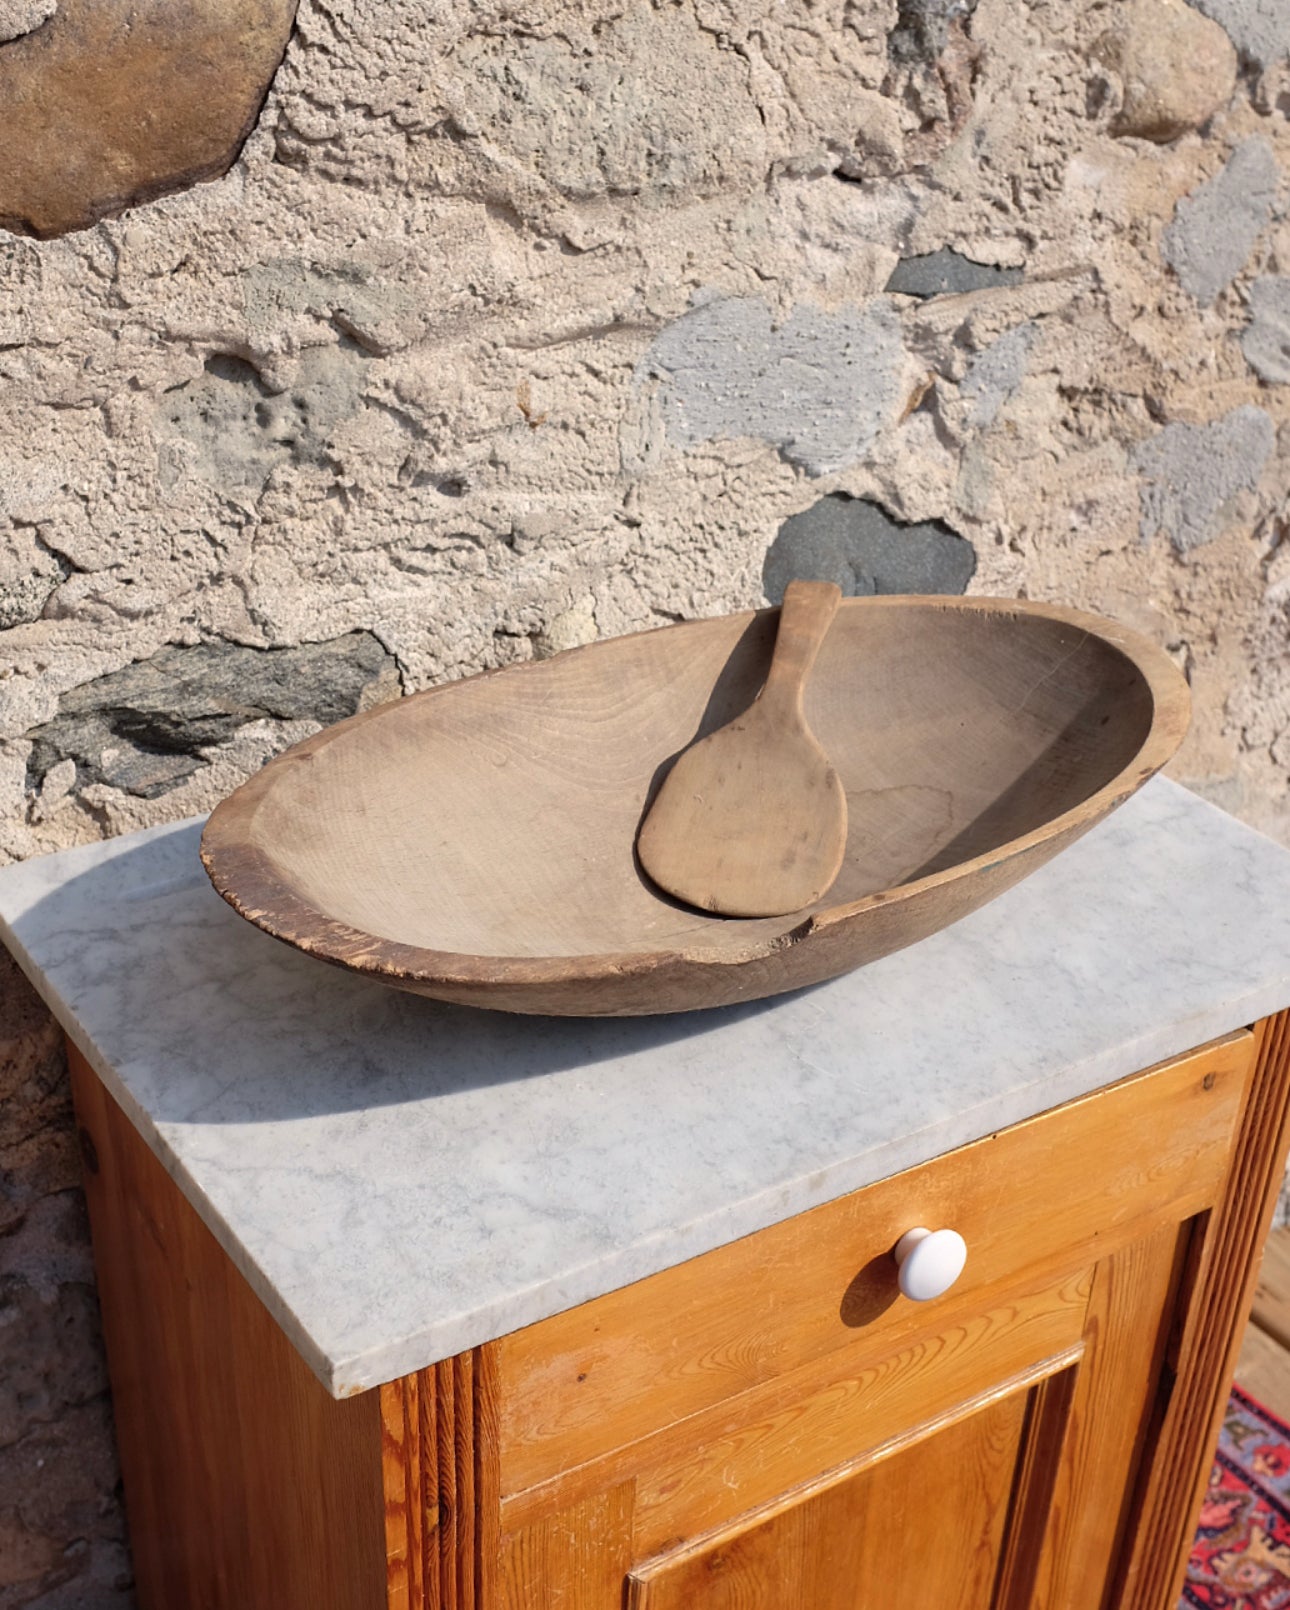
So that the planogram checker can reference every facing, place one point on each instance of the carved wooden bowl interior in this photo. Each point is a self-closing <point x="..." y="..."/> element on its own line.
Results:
<point x="476" y="842"/>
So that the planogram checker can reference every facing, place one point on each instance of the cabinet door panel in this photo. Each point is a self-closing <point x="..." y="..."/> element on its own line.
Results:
<point x="923" y="1526"/>
<point x="1126" y="1331"/>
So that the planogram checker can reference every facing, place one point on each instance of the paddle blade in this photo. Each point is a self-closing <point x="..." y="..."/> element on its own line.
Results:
<point x="750" y="822"/>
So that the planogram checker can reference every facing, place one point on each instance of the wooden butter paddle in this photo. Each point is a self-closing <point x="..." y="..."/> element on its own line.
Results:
<point x="752" y="820"/>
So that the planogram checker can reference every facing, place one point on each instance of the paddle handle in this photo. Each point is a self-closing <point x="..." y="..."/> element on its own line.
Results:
<point x="804" y="620"/>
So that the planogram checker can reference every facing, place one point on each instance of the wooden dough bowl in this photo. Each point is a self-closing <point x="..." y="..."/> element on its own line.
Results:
<point x="476" y="842"/>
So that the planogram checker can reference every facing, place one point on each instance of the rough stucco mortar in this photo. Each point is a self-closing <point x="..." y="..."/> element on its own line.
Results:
<point x="519" y="324"/>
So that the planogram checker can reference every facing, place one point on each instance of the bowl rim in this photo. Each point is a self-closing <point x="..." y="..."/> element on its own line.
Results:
<point x="236" y="865"/>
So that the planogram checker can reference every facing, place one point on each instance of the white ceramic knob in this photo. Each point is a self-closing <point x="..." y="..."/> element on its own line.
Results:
<point x="930" y="1261"/>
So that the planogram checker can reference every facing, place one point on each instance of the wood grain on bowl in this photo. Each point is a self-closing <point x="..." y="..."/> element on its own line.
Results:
<point x="475" y="842"/>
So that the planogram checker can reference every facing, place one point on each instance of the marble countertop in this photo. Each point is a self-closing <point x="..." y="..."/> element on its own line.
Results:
<point x="400" y="1180"/>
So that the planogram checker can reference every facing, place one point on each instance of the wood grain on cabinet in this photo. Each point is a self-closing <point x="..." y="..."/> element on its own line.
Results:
<point x="439" y="1465"/>
<point x="1038" y="1466"/>
<point x="698" y="1473"/>
<point x="742" y="1408"/>
<point x="1223" y="1268"/>
<point x="572" y="1559"/>
<point x="1077" y="1544"/>
<point x="246" y="1486"/>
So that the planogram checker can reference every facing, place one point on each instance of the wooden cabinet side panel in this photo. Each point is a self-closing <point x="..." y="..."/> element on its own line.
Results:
<point x="410" y="1479"/>
<point x="1213" y="1312"/>
<point x="246" y="1485"/>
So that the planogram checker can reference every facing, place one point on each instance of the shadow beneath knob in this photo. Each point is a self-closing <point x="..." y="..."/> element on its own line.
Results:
<point x="871" y="1293"/>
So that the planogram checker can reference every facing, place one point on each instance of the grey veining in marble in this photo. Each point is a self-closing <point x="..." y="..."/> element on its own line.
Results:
<point x="401" y="1180"/>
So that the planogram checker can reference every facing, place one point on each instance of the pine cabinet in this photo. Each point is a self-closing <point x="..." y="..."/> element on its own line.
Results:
<point x="770" y="1425"/>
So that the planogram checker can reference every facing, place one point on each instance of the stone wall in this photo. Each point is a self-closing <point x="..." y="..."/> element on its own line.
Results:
<point x="520" y="322"/>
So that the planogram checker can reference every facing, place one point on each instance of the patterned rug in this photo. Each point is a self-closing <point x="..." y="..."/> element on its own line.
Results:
<point x="1241" y="1557"/>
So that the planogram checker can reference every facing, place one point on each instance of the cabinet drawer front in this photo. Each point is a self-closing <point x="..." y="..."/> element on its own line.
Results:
<point x="1049" y="1195"/>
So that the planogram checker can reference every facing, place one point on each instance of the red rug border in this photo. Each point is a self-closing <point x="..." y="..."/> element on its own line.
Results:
<point x="1259" y="1407"/>
<point x="1273" y="1501"/>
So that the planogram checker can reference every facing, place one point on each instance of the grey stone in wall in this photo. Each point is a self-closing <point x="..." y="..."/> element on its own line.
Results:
<point x="1260" y="29"/>
<point x="1213" y="230"/>
<point x="241" y="428"/>
<point x="146" y="728"/>
<point x="856" y="543"/>
<point x="1266" y="342"/>
<point x="922" y="28"/>
<point x="820" y="386"/>
<point x="29" y="573"/>
<point x="995" y="374"/>
<point x="1191" y="472"/>
<point x="935" y="273"/>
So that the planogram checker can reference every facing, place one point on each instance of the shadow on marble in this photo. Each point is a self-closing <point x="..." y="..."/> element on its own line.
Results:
<point x="216" y="1022"/>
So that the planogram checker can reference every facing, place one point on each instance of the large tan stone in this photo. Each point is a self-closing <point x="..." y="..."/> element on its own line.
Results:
<point x="111" y="103"/>
<point x="1175" y="66"/>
